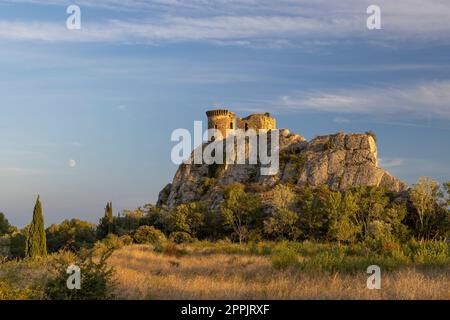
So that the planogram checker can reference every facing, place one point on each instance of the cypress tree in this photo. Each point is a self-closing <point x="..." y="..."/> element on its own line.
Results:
<point x="109" y="217"/>
<point x="105" y="226"/>
<point x="36" y="242"/>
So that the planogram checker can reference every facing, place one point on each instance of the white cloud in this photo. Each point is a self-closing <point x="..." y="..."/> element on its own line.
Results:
<point x="423" y="100"/>
<point x="17" y="171"/>
<point x="391" y="162"/>
<point x="341" y="120"/>
<point x="244" y="22"/>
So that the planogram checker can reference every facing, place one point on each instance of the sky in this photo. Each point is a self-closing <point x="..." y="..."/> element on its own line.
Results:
<point x="86" y="115"/>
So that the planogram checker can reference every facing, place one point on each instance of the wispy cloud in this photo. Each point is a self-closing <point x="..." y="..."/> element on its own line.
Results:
<point x="341" y="120"/>
<point x="391" y="162"/>
<point x="423" y="100"/>
<point x="243" y="23"/>
<point x="17" y="171"/>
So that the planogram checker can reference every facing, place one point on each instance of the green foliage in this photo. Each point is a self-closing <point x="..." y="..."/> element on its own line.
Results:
<point x="70" y="235"/>
<point x="181" y="237"/>
<point x="10" y="292"/>
<point x="371" y="202"/>
<point x="36" y="243"/>
<point x="188" y="218"/>
<point x="341" y="210"/>
<point x="17" y="242"/>
<point x="111" y="242"/>
<point x="106" y="224"/>
<point x="149" y="235"/>
<point x="313" y="219"/>
<point x="430" y="252"/>
<point x="97" y="279"/>
<point x="241" y="211"/>
<point x="284" y="257"/>
<point x="328" y="146"/>
<point x="282" y="223"/>
<point x="431" y="217"/>
<point x="128" y="222"/>
<point x="126" y="240"/>
<point x="5" y="227"/>
<point x="207" y="184"/>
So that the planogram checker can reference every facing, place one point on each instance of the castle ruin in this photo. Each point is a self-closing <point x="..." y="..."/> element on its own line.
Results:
<point x="223" y="120"/>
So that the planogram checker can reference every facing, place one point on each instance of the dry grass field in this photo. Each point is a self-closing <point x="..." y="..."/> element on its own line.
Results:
<point x="144" y="274"/>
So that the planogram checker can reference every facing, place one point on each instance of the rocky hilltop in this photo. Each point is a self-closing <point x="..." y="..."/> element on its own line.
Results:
<point x="340" y="161"/>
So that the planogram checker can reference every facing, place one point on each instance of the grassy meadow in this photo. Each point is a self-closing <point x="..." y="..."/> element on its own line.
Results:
<point x="266" y="270"/>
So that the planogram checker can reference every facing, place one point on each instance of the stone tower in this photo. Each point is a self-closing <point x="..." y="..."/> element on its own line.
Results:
<point x="222" y="120"/>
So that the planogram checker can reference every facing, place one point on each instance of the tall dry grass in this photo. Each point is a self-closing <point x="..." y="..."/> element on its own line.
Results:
<point x="145" y="274"/>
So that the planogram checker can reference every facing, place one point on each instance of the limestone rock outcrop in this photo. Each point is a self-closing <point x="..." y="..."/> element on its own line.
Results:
<point x="340" y="161"/>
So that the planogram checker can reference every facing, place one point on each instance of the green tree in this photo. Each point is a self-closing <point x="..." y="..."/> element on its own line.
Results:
<point x="36" y="243"/>
<point x="70" y="235"/>
<point x="313" y="219"/>
<point x="241" y="210"/>
<point x="342" y="211"/>
<point x="187" y="218"/>
<point x="372" y="203"/>
<point x="446" y="186"/>
<point x="424" y="196"/>
<point x="282" y="223"/>
<point x="5" y="227"/>
<point x="106" y="224"/>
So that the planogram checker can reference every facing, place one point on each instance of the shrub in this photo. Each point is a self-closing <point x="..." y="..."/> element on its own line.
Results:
<point x="17" y="245"/>
<point x="284" y="257"/>
<point x="171" y="248"/>
<point x="111" y="242"/>
<point x="70" y="235"/>
<point x="181" y="237"/>
<point x="96" y="277"/>
<point x="149" y="235"/>
<point x="326" y="261"/>
<point x="10" y="292"/>
<point x="5" y="226"/>
<point x="126" y="240"/>
<point x="430" y="252"/>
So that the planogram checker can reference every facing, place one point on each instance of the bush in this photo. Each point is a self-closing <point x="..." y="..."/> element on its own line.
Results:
<point x="96" y="277"/>
<point x="70" y="235"/>
<point x="430" y="252"/>
<point x="17" y="245"/>
<point x="111" y="242"/>
<point x="284" y="257"/>
<point x="126" y="240"/>
<point x="189" y="217"/>
<point x="149" y="235"/>
<point x="181" y="237"/>
<point x="10" y="292"/>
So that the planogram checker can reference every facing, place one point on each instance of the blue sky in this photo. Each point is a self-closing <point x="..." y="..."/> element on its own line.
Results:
<point x="109" y="95"/>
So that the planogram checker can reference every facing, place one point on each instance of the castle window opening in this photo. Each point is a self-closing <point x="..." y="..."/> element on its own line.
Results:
<point x="246" y="127"/>
<point x="231" y="125"/>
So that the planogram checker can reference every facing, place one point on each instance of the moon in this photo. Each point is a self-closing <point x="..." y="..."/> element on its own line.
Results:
<point x="72" y="163"/>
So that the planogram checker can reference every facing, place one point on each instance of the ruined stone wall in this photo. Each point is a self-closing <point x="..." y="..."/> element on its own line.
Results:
<point x="257" y="122"/>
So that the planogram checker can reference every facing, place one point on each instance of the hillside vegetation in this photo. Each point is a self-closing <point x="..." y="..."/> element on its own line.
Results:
<point x="287" y="242"/>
